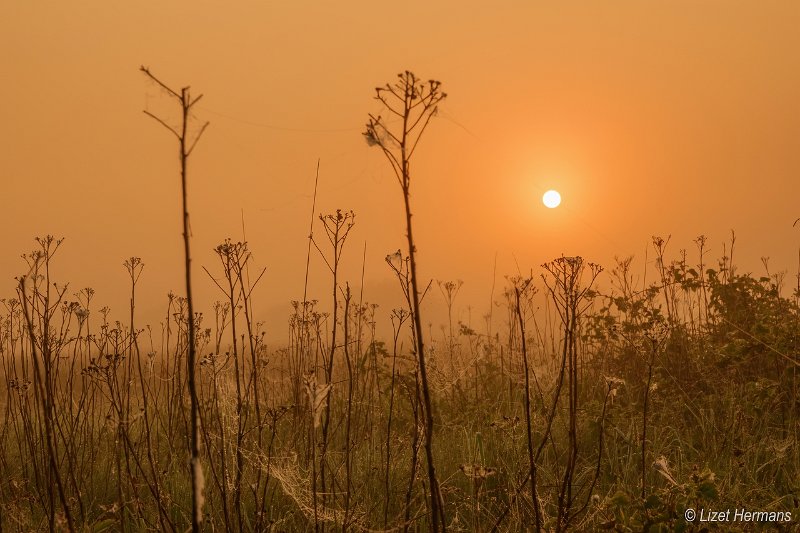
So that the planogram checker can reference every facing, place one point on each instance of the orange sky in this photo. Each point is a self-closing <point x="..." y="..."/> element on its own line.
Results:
<point x="662" y="118"/>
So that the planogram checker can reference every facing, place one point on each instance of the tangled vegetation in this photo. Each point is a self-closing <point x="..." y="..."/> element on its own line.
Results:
<point x="594" y="402"/>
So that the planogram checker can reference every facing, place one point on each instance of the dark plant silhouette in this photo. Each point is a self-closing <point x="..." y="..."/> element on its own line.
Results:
<point x="414" y="103"/>
<point x="187" y="145"/>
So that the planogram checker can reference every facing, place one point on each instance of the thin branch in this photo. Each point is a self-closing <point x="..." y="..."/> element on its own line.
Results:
<point x="214" y="280"/>
<point x="159" y="82"/>
<point x="388" y="131"/>
<point x="175" y="133"/>
<point x="421" y="131"/>
<point x="253" y="285"/>
<point x="194" y="143"/>
<point x="386" y="103"/>
<point x="194" y="102"/>
<point x="322" y="254"/>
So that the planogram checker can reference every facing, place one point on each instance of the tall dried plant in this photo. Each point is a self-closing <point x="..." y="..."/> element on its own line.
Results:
<point x="187" y="144"/>
<point x="413" y="102"/>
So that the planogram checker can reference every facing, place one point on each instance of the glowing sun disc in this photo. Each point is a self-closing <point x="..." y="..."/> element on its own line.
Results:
<point x="551" y="199"/>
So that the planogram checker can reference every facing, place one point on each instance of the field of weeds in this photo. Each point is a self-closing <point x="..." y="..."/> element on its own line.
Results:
<point x="641" y="403"/>
<point x="587" y="401"/>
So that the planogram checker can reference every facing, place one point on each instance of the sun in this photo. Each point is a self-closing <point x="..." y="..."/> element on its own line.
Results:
<point x="551" y="199"/>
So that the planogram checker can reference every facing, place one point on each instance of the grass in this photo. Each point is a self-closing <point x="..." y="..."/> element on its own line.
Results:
<point x="722" y="415"/>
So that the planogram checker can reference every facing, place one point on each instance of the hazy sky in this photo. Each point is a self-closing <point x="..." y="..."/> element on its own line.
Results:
<point x="678" y="117"/>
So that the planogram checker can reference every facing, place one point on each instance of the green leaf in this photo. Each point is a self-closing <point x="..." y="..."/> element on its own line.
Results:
<point x="652" y="502"/>
<point x="707" y="490"/>
<point x="620" y="499"/>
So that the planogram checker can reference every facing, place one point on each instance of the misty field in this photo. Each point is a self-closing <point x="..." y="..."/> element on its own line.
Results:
<point x="95" y="411"/>
<point x="584" y="399"/>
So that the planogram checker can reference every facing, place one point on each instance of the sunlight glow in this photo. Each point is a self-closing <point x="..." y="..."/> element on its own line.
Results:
<point x="551" y="199"/>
